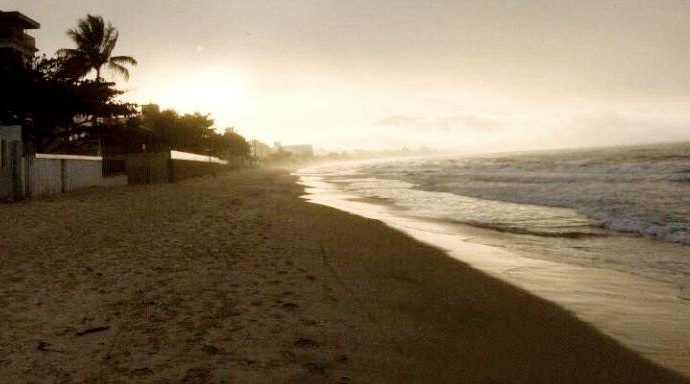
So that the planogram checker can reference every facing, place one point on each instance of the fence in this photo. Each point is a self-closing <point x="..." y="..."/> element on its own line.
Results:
<point x="170" y="166"/>
<point x="146" y="168"/>
<point x="46" y="174"/>
<point x="51" y="174"/>
<point x="185" y="165"/>
<point x="114" y="167"/>
<point x="10" y="162"/>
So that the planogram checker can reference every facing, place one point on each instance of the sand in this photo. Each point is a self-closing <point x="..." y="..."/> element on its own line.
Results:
<point x="238" y="280"/>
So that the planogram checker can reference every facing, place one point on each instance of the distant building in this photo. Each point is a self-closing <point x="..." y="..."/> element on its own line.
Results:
<point x="13" y="40"/>
<point x="150" y="109"/>
<point x="299" y="150"/>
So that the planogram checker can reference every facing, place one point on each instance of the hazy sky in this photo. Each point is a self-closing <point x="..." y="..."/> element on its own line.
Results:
<point x="470" y="75"/>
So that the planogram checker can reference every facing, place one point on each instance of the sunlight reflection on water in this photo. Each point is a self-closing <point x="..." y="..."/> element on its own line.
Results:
<point x="645" y="314"/>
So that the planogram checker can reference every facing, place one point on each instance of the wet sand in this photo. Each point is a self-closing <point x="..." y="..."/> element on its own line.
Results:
<point x="644" y="314"/>
<point x="237" y="279"/>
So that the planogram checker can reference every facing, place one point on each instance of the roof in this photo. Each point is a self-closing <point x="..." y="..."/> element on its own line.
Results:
<point x="19" y="19"/>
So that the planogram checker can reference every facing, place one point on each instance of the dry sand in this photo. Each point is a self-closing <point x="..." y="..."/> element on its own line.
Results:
<point x="237" y="280"/>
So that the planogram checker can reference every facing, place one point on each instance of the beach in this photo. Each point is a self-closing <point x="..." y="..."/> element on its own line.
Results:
<point x="239" y="279"/>
<point x="587" y="229"/>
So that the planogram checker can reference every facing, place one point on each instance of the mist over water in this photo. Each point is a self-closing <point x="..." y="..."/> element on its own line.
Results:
<point x="604" y="233"/>
<point x="640" y="190"/>
<point x="625" y="208"/>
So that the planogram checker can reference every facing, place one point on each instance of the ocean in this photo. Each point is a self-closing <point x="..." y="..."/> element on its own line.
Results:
<point x="603" y="232"/>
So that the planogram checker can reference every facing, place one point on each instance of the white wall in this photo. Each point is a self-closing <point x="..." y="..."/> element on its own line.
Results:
<point x="51" y="174"/>
<point x="177" y="155"/>
<point x="45" y="177"/>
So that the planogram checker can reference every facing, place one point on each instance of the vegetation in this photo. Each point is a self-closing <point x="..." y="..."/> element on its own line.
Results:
<point x="57" y="110"/>
<point x="95" y="42"/>
<point x="191" y="133"/>
<point x="64" y="111"/>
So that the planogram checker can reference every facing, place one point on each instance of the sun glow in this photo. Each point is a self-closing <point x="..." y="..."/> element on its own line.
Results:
<point x="205" y="91"/>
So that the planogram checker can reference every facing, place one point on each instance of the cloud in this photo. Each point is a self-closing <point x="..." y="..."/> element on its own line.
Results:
<point x="442" y="123"/>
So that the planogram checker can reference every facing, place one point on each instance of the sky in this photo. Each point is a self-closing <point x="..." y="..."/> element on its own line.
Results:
<point x="470" y="76"/>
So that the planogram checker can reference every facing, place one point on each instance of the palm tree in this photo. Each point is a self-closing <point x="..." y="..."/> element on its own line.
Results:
<point x="95" y="43"/>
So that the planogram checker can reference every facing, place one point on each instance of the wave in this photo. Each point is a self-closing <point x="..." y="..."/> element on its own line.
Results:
<point x="641" y="190"/>
<point x="500" y="227"/>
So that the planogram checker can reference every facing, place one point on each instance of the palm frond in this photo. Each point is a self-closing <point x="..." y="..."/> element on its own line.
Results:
<point x="77" y="37"/>
<point x="128" y="60"/>
<point x="119" y="69"/>
<point x="95" y="40"/>
<point x="73" y="64"/>
<point x="109" y="43"/>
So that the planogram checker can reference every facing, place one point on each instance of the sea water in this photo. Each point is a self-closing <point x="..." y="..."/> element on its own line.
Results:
<point x="603" y="232"/>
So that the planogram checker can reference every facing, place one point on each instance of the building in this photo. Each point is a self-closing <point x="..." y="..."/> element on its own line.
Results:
<point x="150" y="109"/>
<point x="25" y="174"/>
<point x="14" y="42"/>
<point x="15" y="45"/>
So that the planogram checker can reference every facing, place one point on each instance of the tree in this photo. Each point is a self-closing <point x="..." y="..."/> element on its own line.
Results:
<point x="55" y="109"/>
<point x="95" y="42"/>
<point x="230" y="145"/>
<point x="191" y="133"/>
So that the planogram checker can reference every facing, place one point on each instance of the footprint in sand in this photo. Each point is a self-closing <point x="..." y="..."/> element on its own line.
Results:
<point x="303" y="342"/>
<point x="289" y="306"/>
<point x="211" y="350"/>
<point x="197" y="375"/>
<point x="317" y="367"/>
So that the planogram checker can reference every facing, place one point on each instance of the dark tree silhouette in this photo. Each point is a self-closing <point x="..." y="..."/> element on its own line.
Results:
<point x="54" y="108"/>
<point x="95" y="42"/>
<point x="229" y="145"/>
<point x="191" y="132"/>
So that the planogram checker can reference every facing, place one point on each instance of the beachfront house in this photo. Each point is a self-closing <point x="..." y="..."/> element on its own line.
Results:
<point x="35" y="174"/>
<point x="15" y="45"/>
<point x="14" y="41"/>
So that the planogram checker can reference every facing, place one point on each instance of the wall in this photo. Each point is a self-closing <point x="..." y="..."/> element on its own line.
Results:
<point x="10" y="162"/>
<point x="186" y="165"/>
<point x="185" y="169"/>
<point x="170" y="166"/>
<point x="146" y="168"/>
<point x="52" y="174"/>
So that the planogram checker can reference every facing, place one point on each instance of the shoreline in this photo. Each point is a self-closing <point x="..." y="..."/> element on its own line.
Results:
<point x="238" y="279"/>
<point x="645" y="314"/>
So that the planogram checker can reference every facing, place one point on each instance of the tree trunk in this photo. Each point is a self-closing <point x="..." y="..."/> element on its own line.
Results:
<point x="95" y="118"/>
